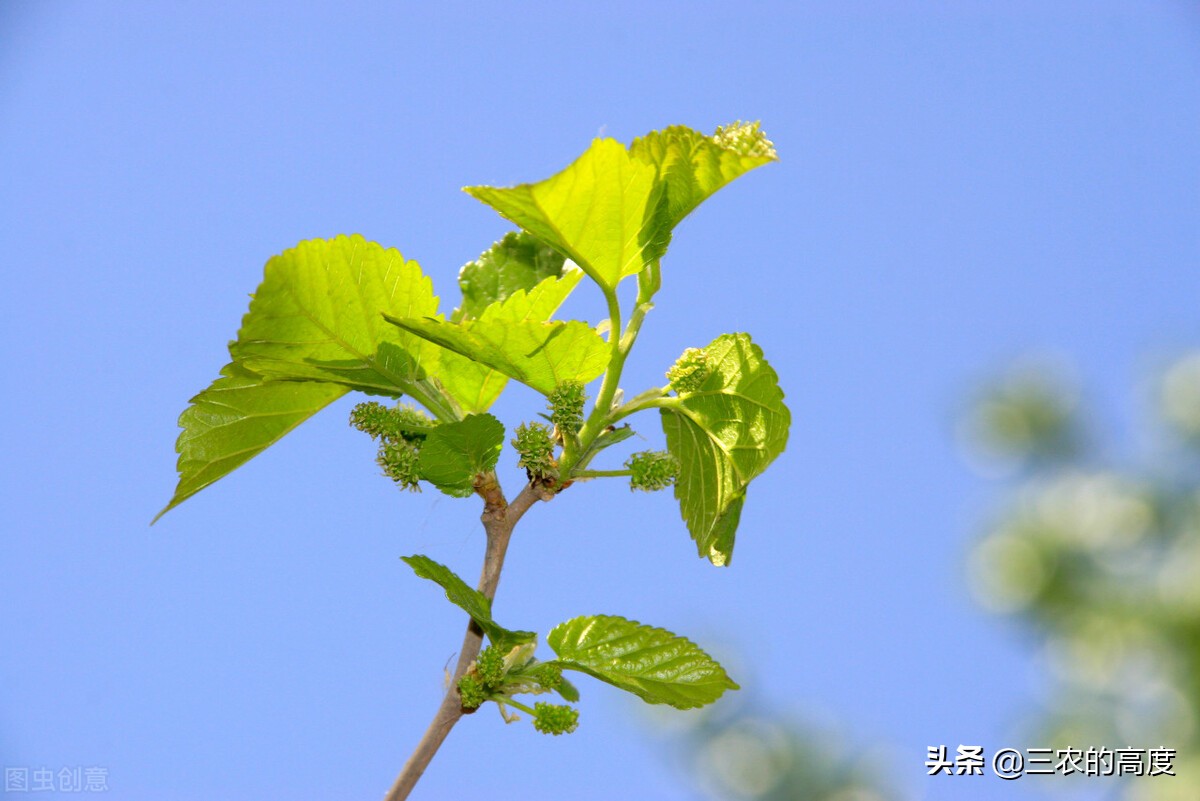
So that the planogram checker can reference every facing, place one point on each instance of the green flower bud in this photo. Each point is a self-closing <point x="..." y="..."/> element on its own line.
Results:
<point x="689" y="372"/>
<point x="371" y="418"/>
<point x="490" y="668"/>
<point x="471" y="691"/>
<point x="390" y="424"/>
<point x="399" y="463"/>
<point x="652" y="470"/>
<point x="536" y="449"/>
<point x="555" y="718"/>
<point x="400" y="431"/>
<point x="746" y="138"/>
<point x="547" y="675"/>
<point x="566" y="407"/>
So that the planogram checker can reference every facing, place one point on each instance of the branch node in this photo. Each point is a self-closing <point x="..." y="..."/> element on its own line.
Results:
<point x="494" y="504"/>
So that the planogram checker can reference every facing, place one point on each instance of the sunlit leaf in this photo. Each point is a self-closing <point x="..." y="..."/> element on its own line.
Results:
<point x="317" y="316"/>
<point x="519" y="261"/>
<point x="724" y="432"/>
<point x="540" y="355"/>
<point x="694" y="166"/>
<point x="612" y="210"/>
<point x="656" y="665"/>
<point x="474" y="385"/>
<point x="599" y="211"/>
<point x="237" y="418"/>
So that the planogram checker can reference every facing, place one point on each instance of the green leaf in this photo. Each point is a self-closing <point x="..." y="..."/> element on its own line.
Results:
<point x="568" y="691"/>
<point x="694" y="166"/>
<point x="608" y="438"/>
<point x="475" y="386"/>
<point x="657" y="666"/>
<point x="454" y="453"/>
<point x="316" y="317"/>
<point x="537" y="304"/>
<point x="724" y="432"/>
<point x="519" y="261"/>
<point x="470" y="600"/>
<point x="541" y="355"/>
<point x="599" y="211"/>
<point x="612" y="210"/>
<point x="238" y="417"/>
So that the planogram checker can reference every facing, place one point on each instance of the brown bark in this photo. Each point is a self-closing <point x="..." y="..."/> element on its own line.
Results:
<point x="498" y="518"/>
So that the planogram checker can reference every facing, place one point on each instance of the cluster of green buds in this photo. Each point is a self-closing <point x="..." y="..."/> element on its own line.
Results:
<point x="400" y="431"/>
<point x="689" y="371"/>
<point x="535" y="446"/>
<point x="566" y="408"/>
<point x="652" y="471"/>
<point x="483" y="679"/>
<point x="555" y="719"/>
<point x="498" y="674"/>
<point x="746" y="138"/>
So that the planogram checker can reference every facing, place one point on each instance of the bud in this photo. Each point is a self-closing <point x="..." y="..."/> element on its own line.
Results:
<point x="555" y="719"/>
<point x="547" y="675"/>
<point x="689" y="371"/>
<point x="652" y="470"/>
<point x="745" y="139"/>
<point x="566" y="408"/>
<point x="396" y="423"/>
<point x="536" y="449"/>
<point x="471" y="692"/>
<point x="491" y="668"/>
<point x="399" y="463"/>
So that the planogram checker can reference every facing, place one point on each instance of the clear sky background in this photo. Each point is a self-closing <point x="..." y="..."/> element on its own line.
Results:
<point x="958" y="185"/>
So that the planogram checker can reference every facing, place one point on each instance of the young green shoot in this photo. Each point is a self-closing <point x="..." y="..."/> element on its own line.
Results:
<point x="342" y="315"/>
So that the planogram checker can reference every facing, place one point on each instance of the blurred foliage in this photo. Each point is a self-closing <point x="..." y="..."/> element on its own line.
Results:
<point x="1100" y="564"/>
<point x="742" y="750"/>
<point x="1027" y="418"/>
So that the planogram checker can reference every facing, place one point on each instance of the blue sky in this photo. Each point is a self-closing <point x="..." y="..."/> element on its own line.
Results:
<point x="958" y="185"/>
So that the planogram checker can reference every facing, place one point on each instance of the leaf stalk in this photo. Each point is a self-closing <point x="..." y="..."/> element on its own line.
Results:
<point x="602" y="415"/>
<point x="601" y="473"/>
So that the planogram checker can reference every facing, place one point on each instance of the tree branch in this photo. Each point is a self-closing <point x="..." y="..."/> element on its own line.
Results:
<point x="498" y="518"/>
